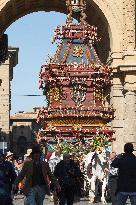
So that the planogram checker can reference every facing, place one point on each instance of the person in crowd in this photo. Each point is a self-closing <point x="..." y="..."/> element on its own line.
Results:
<point x="19" y="167"/>
<point x="126" y="164"/>
<point x="68" y="174"/>
<point x="37" y="176"/>
<point x="7" y="178"/>
<point x="10" y="157"/>
<point x="27" y="156"/>
<point x="113" y="177"/>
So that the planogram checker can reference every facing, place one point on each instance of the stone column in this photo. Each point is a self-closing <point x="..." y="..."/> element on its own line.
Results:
<point x="124" y="84"/>
<point x="130" y="116"/>
<point x="124" y="65"/>
<point x="130" y="108"/>
<point x="6" y="75"/>
<point x="4" y="99"/>
<point x="117" y="101"/>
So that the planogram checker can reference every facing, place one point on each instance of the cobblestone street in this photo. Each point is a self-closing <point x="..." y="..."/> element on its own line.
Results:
<point x="19" y="201"/>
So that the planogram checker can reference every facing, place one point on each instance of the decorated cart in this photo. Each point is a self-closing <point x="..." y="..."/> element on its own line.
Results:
<point x="75" y="84"/>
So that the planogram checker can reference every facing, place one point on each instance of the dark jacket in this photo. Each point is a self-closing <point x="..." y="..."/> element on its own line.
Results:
<point x="7" y="175"/>
<point x="126" y="163"/>
<point x="27" y="173"/>
<point x="68" y="175"/>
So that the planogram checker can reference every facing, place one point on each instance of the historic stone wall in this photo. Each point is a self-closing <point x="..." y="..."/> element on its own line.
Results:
<point x="23" y="126"/>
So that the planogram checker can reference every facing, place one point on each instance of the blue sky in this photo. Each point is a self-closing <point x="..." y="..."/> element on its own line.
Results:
<point x="32" y="34"/>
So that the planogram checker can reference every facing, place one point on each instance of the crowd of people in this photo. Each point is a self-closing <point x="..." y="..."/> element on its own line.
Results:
<point x="34" y="178"/>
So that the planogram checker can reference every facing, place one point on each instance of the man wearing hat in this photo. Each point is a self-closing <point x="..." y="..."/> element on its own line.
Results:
<point x="9" y="156"/>
<point x="7" y="178"/>
<point x="126" y="164"/>
<point x="37" y="176"/>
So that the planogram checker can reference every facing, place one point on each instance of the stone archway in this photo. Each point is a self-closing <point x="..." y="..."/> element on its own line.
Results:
<point x="116" y="26"/>
<point x="99" y="13"/>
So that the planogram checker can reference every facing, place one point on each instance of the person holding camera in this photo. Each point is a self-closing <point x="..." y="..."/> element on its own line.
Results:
<point x="126" y="164"/>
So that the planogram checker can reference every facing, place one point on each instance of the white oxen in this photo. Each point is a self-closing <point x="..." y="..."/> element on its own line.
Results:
<point x="53" y="161"/>
<point x="95" y="164"/>
<point x="87" y="168"/>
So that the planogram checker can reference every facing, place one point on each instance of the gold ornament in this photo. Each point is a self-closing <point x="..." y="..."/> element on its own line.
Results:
<point x="77" y="127"/>
<point x="54" y="94"/>
<point x="77" y="51"/>
<point x="51" y="127"/>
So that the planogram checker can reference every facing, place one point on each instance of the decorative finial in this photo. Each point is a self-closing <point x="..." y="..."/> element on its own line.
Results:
<point x="76" y="6"/>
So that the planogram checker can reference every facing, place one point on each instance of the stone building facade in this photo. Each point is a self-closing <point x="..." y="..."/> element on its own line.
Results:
<point x="23" y="127"/>
<point x="115" y="20"/>
<point x="6" y="76"/>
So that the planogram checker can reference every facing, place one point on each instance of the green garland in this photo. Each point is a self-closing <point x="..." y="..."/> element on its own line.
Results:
<point x="82" y="145"/>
